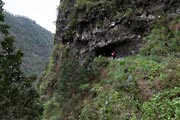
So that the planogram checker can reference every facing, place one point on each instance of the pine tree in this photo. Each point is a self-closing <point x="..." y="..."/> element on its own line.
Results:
<point x="19" y="99"/>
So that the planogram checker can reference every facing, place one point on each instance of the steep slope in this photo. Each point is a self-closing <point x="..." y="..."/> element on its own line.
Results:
<point x="83" y="83"/>
<point x="35" y="42"/>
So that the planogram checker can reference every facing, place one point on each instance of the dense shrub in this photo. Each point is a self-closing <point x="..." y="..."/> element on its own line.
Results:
<point x="122" y="88"/>
<point x="162" y="41"/>
<point x="163" y="106"/>
<point x="52" y="109"/>
<point x="98" y="64"/>
<point x="71" y="75"/>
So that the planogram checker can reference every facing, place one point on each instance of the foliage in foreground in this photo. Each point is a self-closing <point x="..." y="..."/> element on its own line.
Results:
<point x="125" y="89"/>
<point x="19" y="99"/>
<point x="164" y="105"/>
<point x="143" y="87"/>
<point x="52" y="109"/>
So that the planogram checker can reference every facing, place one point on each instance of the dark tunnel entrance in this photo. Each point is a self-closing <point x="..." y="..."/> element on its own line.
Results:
<point x="105" y="51"/>
<point x="122" y="49"/>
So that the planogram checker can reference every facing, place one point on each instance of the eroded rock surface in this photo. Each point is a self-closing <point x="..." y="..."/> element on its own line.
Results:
<point x="98" y="27"/>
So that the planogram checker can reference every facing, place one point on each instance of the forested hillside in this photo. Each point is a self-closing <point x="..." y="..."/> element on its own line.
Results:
<point x="35" y="42"/>
<point x="19" y="99"/>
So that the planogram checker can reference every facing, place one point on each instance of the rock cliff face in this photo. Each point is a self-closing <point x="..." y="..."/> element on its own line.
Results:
<point x="89" y="28"/>
<point x="97" y="27"/>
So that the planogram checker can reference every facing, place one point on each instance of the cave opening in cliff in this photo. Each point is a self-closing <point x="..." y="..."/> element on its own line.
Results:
<point x="122" y="49"/>
<point x="105" y="51"/>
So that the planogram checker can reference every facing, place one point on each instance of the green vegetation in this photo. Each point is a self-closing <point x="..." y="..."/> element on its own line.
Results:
<point x="51" y="104"/>
<point x="19" y="99"/>
<point x="35" y="42"/>
<point x="85" y="12"/>
<point x="125" y="85"/>
<point x="88" y="6"/>
<point x="52" y="109"/>
<point x="65" y="80"/>
<point x="145" y="86"/>
<point x="164" y="105"/>
<point x="163" y="41"/>
<point x="50" y="76"/>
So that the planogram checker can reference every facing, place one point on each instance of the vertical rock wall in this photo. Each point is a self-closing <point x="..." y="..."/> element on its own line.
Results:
<point x="98" y="27"/>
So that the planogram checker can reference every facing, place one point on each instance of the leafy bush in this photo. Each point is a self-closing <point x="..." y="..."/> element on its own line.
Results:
<point x="122" y="88"/>
<point x="98" y="64"/>
<point x="71" y="75"/>
<point x="163" y="106"/>
<point x="52" y="109"/>
<point x="162" y="41"/>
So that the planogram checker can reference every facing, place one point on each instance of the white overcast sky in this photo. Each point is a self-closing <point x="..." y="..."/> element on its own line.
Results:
<point x="44" y="12"/>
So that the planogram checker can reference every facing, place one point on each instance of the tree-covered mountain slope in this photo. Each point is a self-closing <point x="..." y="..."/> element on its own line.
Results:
<point x="35" y="42"/>
<point x="82" y="82"/>
<point x="19" y="98"/>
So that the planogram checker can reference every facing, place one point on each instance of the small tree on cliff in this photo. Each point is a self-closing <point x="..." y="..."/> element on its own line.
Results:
<point x="18" y="97"/>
